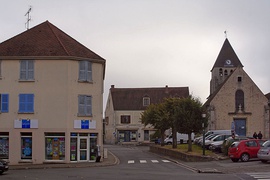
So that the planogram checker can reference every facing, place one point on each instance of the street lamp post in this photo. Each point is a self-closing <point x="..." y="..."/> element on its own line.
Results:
<point x="203" y="116"/>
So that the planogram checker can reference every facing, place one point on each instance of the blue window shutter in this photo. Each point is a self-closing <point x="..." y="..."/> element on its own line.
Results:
<point x="30" y="103"/>
<point x="23" y="70"/>
<point x="82" y="71"/>
<point x="4" y="103"/>
<point x="26" y="103"/>
<point x="30" y="69"/>
<point x="88" y="105"/>
<point x="89" y="71"/>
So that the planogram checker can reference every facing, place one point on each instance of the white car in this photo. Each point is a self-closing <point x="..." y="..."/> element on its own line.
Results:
<point x="264" y="152"/>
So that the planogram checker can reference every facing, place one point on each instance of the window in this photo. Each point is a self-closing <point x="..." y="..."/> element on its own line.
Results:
<point x="4" y="98"/>
<point x="85" y="71"/>
<point x="146" y="101"/>
<point x="239" y="100"/>
<point x="239" y="79"/>
<point x="226" y="73"/>
<point x="26" y="145"/>
<point x="125" y="119"/>
<point x="220" y="72"/>
<point x="55" y="146"/>
<point x="85" y="105"/>
<point x="26" y="103"/>
<point x="4" y="145"/>
<point x="27" y="70"/>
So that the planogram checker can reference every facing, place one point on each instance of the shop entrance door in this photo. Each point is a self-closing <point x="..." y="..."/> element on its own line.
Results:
<point x="83" y="151"/>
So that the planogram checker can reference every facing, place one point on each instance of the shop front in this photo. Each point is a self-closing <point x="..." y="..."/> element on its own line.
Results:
<point x="84" y="147"/>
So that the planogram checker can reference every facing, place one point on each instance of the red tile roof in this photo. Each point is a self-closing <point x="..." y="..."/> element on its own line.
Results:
<point x="45" y="39"/>
<point x="132" y="98"/>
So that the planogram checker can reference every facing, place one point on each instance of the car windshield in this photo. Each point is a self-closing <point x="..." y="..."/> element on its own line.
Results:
<point x="235" y="144"/>
<point x="266" y="144"/>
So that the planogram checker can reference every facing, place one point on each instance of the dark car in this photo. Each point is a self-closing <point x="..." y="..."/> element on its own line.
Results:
<point x="3" y="166"/>
<point x="245" y="149"/>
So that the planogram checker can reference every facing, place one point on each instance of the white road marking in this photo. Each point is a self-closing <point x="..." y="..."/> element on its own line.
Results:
<point x="166" y="161"/>
<point x="154" y="161"/>
<point x="131" y="162"/>
<point x="143" y="161"/>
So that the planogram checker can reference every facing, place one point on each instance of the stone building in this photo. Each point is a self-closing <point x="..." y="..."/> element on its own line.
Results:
<point x="235" y="101"/>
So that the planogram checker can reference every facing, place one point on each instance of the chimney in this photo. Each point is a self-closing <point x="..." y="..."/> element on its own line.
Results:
<point x="112" y="86"/>
<point x="166" y="89"/>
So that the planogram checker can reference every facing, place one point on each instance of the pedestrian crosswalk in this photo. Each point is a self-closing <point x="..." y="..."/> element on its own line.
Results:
<point x="147" y="161"/>
<point x="260" y="175"/>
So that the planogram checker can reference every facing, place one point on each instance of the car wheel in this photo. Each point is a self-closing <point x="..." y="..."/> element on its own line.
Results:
<point x="244" y="157"/>
<point x="1" y="172"/>
<point x="235" y="160"/>
<point x="264" y="161"/>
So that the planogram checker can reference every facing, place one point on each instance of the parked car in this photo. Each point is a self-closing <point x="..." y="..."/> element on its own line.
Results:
<point x="264" y="152"/>
<point x="216" y="146"/>
<point x="219" y="137"/>
<point x="245" y="149"/>
<point x="3" y="166"/>
<point x="200" y="143"/>
<point x="227" y="142"/>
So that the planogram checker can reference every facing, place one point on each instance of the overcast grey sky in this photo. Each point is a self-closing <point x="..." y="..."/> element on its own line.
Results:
<point x="153" y="43"/>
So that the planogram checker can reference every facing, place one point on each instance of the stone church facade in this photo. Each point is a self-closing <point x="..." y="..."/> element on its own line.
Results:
<point x="235" y="101"/>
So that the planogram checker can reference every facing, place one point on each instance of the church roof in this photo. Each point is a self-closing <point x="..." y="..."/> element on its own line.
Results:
<point x="227" y="57"/>
<point x="45" y="39"/>
<point x="132" y="98"/>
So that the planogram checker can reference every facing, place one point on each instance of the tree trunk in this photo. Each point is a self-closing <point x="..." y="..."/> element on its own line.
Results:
<point x="162" y="137"/>
<point x="189" y="143"/>
<point x="174" y="143"/>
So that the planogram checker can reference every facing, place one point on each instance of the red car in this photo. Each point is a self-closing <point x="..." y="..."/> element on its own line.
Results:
<point x="245" y="149"/>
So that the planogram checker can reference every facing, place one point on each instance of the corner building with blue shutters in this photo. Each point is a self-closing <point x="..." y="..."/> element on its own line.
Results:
<point x="51" y="94"/>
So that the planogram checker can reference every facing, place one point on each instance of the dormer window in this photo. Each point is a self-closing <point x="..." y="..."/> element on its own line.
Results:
<point x="146" y="101"/>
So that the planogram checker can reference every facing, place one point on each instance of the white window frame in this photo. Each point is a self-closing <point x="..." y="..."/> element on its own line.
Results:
<point x="27" y="70"/>
<point x="84" y="105"/>
<point x="146" y="101"/>
<point x="85" y="71"/>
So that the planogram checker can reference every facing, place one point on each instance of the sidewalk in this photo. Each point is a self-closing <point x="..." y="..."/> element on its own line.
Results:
<point x="109" y="161"/>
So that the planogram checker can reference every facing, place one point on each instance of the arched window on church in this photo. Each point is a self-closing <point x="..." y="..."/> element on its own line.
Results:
<point x="226" y="73"/>
<point x="220" y="72"/>
<point x="239" y="100"/>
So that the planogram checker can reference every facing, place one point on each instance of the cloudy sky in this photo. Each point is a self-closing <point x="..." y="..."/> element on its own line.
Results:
<point x="153" y="43"/>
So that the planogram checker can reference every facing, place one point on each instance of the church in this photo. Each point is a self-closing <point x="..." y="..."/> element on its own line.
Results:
<point x="235" y="101"/>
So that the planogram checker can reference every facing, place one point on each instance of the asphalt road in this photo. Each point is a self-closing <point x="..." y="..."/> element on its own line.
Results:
<point x="135" y="163"/>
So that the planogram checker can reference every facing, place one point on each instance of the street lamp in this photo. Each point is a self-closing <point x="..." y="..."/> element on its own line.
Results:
<point x="203" y="116"/>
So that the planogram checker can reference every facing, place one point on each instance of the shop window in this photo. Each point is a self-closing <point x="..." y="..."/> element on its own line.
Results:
<point x="73" y="149"/>
<point x="125" y="119"/>
<point x="55" y="146"/>
<point x="85" y="71"/>
<point x="26" y="145"/>
<point x="4" y="145"/>
<point x="26" y="70"/>
<point x="4" y="100"/>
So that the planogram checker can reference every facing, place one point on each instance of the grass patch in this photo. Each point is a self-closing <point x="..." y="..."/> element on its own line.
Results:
<point x="196" y="150"/>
